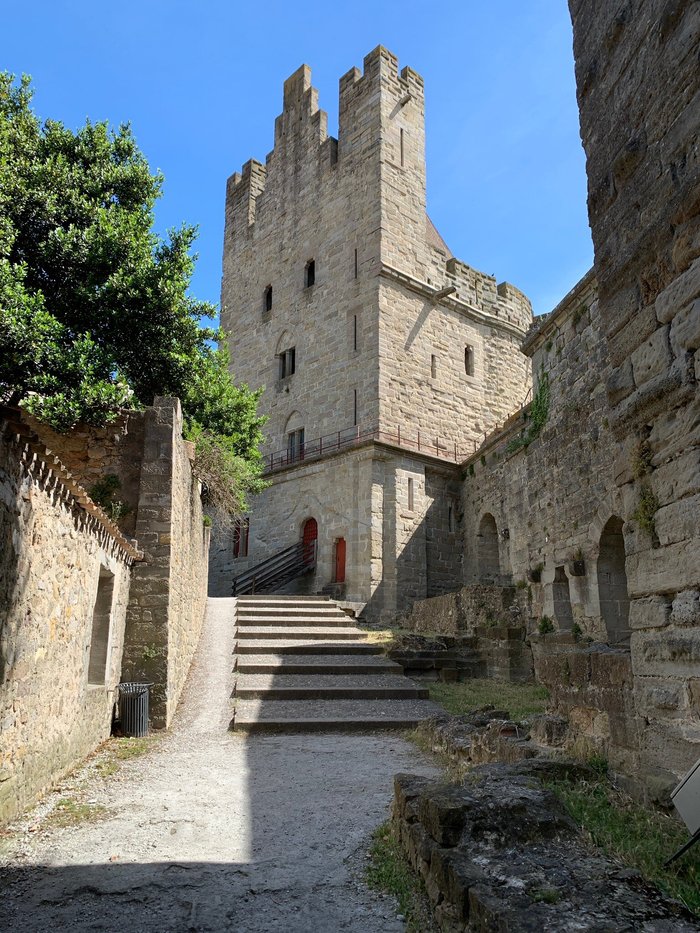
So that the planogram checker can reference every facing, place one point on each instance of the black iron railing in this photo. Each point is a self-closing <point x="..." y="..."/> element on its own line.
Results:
<point x="422" y="442"/>
<point x="285" y="565"/>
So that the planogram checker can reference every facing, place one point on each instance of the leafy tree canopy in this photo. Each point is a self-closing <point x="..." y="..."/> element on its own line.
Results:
<point x="94" y="311"/>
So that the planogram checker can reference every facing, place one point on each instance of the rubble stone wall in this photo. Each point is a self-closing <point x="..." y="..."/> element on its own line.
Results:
<point x="57" y="674"/>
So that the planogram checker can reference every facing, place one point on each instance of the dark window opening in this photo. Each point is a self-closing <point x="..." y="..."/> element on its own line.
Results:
<point x="310" y="274"/>
<point x="267" y="301"/>
<point x="241" y="531"/>
<point x="450" y="518"/>
<point x="488" y="557"/>
<point x="287" y="360"/>
<point x="295" y="445"/>
<point x="469" y="361"/>
<point x="101" y="618"/>
<point x="561" y="597"/>
<point x="410" y="495"/>
<point x="433" y="366"/>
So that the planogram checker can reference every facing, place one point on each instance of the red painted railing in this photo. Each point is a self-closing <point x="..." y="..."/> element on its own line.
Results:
<point x="422" y="442"/>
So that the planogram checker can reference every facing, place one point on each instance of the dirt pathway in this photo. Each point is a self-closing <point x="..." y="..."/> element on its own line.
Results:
<point x="213" y="831"/>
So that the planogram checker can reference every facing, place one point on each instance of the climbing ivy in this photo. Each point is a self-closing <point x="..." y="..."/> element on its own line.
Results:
<point x="537" y="417"/>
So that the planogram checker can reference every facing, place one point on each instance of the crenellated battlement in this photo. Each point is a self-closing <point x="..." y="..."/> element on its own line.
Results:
<point x="503" y="300"/>
<point x="369" y="101"/>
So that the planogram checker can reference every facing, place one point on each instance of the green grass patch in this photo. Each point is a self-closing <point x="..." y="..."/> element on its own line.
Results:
<point x="638" y="835"/>
<point x="521" y="700"/>
<point x="388" y="870"/>
<point x="70" y="812"/>
<point x="124" y="749"/>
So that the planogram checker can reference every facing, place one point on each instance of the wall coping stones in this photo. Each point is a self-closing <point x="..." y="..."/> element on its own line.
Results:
<point x="37" y="457"/>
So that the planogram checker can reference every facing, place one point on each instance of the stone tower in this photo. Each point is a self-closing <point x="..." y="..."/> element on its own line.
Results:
<point x="385" y="360"/>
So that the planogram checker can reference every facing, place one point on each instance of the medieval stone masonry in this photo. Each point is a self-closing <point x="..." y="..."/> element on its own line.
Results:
<point x="83" y="606"/>
<point x="385" y="360"/>
<point x="472" y="469"/>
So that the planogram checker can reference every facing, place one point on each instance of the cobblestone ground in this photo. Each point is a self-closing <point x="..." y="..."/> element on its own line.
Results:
<point x="210" y="830"/>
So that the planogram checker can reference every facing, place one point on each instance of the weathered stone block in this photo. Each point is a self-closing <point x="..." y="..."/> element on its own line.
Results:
<point x="653" y="357"/>
<point x="685" y="609"/>
<point x="679" y="293"/>
<point x="649" y="612"/>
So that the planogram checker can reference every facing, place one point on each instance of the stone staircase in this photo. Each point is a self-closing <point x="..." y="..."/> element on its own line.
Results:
<point x="302" y="666"/>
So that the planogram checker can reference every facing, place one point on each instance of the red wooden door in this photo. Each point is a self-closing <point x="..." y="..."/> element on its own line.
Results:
<point x="340" y="560"/>
<point x="309" y="536"/>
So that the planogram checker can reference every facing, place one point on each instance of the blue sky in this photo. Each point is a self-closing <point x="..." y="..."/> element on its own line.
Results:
<point x="201" y="84"/>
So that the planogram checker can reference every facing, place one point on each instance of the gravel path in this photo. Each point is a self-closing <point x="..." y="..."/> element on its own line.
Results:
<point x="211" y="830"/>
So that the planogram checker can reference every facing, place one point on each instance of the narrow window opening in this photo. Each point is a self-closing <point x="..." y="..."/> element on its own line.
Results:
<point x="287" y="360"/>
<point x="295" y="445"/>
<point x="469" y="361"/>
<point x="310" y="274"/>
<point x="354" y="332"/>
<point x="410" y="495"/>
<point x="433" y="366"/>
<point x="356" y="267"/>
<point x="101" y="619"/>
<point x="267" y="301"/>
<point x="402" y="147"/>
<point x="241" y="531"/>
<point x="450" y="518"/>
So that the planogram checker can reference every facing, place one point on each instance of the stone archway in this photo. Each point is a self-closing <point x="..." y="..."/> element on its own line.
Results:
<point x="612" y="582"/>
<point x="488" y="557"/>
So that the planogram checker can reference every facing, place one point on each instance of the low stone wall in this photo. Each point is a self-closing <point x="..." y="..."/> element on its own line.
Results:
<point x="168" y="589"/>
<point x="592" y="686"/>
<point x="464" y="610"/>
<point x="499" y="852"/>
<point x="64" y="587"/>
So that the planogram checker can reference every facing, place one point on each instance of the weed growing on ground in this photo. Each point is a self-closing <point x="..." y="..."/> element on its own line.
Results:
<point x="521" y="700"/>
<point x="638" y="835"/>
<point x="388" y="870"/>
<point x="70" y="812"/>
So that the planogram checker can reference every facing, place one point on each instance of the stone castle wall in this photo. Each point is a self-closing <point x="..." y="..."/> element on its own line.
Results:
<point x="168" y="588"/>
<point x="56" y="696"/>
<point x="638" y="88"/>
<point x="66" y="568"/>
<point x="552" y="497"/>
<point x="394" y="335"/>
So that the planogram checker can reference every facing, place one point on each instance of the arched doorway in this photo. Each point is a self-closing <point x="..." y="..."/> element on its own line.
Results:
<point x="612" y="582"/>
<point x="309" y="537"/>
<point x="562" y="600"/>
<point x="340" y="560"/>
<point x="488" y="559"/>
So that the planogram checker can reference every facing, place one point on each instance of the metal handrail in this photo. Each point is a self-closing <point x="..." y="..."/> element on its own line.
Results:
<point x="352" y="437"/>
<point x="293" y="561"/>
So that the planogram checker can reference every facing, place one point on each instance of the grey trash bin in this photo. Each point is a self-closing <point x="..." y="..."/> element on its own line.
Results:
<point x="133" y="709"/>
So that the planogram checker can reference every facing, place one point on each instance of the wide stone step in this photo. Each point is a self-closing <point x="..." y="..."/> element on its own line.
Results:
<point x="281" y="601"/>
<point x="334" y="621"/>
<point x="330" y="715"/>
<point x="290" y="608"/>
<point x="286" y="646"/>
<point x="308" y="633"/>
<point x="315" y="664"/>
<point x="327" y="687"/>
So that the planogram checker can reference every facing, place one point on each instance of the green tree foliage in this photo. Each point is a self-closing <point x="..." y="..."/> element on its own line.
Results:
<point x="94" y="310"/>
